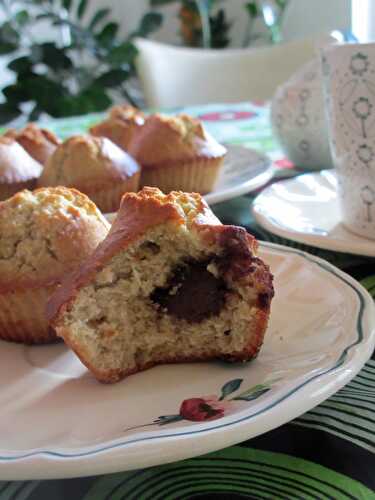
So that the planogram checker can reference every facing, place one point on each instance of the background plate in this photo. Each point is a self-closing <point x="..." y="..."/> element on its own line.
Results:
<point x="244" y="170"/>
<point x="56" y="420"/>
<point x="306" y="209"/>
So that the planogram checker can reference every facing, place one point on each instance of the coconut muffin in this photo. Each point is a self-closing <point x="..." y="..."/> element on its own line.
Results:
<point x="176" y="153"/>
<point x="40" y="143"/>
<point x="18" y="170"/>
<point x="122" y="124"/>
<point x="169" y="284"/>
<point x="44" y="234"/>
<point x="95" y="166"/>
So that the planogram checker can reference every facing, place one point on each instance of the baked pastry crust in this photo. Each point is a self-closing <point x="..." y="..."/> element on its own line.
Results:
<point x="122" y="124"/>
<point x="18" y="170"/>
<point x="140" y="215"/>
<point x="44" y="234"/>
<point x="39" y="142"/>
<point x="94" y="166"/>
<point x="177" y="153"/>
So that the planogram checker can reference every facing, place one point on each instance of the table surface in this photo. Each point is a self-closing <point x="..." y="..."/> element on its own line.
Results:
<point x="327" y="453"/>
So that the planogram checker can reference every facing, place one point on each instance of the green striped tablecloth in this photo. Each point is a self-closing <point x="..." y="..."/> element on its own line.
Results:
<point x="327" y="453"/>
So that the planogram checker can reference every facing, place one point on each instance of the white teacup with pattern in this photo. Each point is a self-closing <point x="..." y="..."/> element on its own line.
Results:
<point x="349" y="89"/>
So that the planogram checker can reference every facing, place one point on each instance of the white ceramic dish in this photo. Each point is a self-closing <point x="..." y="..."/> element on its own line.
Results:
<point x="306" y="209"/>
<point x="57" y="421"/>
<point x="244" y="170"/>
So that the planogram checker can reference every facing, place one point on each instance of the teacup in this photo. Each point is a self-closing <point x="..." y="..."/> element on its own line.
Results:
<point x="349" y="90"/>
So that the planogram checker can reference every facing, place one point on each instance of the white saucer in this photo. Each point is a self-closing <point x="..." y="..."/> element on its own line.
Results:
<point x="306" y="209"/>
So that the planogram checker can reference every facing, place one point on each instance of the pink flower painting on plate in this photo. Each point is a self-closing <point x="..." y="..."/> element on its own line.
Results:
<point x="212" y="407"/>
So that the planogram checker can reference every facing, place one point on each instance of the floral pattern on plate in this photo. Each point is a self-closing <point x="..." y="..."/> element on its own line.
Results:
<point x="212" y="407"/>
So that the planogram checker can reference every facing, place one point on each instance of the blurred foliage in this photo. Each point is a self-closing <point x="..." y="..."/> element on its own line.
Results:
<point x="204" y="23"/>
<point x="77" y="71"/>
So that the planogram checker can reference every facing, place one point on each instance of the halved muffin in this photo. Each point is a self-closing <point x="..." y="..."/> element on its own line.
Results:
<point x="39" y="142"/>
<point x="123" y="123"/>
<point x="177" y="153"/>
<point x="44" y="234"/>
<point x="169" y="284"/>
<point x="18" y="170"/>
<point x="95" y="166"/>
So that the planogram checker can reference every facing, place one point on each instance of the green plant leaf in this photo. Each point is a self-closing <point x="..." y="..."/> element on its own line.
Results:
<point x="8" y="113"/>
<point x="112" y="78"/>
<point x="230" y="387"/>
<point x="8" y="33"/>
<point x="35" y="113"/>
<point x="22" y="17"/>
<point x="48" y="94"/>
<point x="108" y="34"/>
<point x="9" y="38"/>
<point x="252" y="9"/>
<point x="7" y="48"/>
<point x="20" y="65"/>
<point x="67" y="4"/>
<point x="281" y="4"/>
<point x="52" y="56"/>
<point x="16" y="93"/>
<point x="81" y="9"/>
<point x="99" y="16"/>
<point x="92" y="99"/>
<point x="123" y="53"/>
<point x="150" y="22"/>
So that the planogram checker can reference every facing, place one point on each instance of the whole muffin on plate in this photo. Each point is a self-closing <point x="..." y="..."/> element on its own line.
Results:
<point x="44" y="234"/>
<point x="177" y="153"/>
<point x="18" y="170"/>
<point x="169" y="284"/>
<point x="40" y="143"/>
<point x="95" y="166"/>
<point x="122" y="124"/>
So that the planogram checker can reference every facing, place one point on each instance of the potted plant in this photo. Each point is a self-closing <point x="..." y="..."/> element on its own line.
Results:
<point x="82" y="68"/>
<point x="206" y="69"/>
<point x="206" y="24"/>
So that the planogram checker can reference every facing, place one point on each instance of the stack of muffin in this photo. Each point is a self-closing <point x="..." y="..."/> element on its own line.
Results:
<point x="121" y="154"/>
<point x="166" y="283"/>
<point x="52" y="194"/>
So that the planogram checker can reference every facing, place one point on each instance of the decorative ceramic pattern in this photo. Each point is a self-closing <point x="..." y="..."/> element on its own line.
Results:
<point x="298" y="118"/>
<point x="349" y="79"/>
<point x="212" y="407"/>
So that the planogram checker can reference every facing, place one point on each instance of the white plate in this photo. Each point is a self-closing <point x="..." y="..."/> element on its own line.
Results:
<point x="306" y="209"/>
<point x="244" y="170"/>
<point x="57" y="421"/>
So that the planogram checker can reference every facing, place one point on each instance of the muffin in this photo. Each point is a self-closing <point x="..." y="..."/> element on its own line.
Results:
<point x="95" y="166"/>
<point x="176" y="153"/>
<point x="44" y="234"/>
<point x="123" y="123"/>
<point x="169" y="284"/>
<point x="40" y="143"/>
<point x="17" y="169"/>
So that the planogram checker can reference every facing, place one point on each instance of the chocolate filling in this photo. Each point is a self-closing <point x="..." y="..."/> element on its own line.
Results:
<point x="192" y="293"/>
